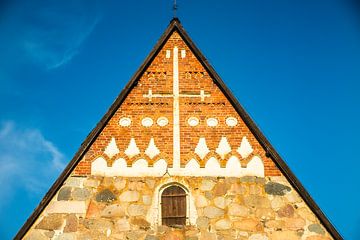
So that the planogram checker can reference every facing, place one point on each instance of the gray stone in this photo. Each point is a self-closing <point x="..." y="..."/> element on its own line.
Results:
<point x="105" y="196"/>
<point x="80" y="194"/>
<point x="111" y="211"/>
<point x="273" y="188"/>
<point x="237" y="210"/>
<point x="129" y="196"/>
<point x="202" y="222"/>
<point x="316" y="228"/>
<point x="207" y="185"/>
<point x="74" y="181"/>
<point x="35" y="235"/>
<point x="64" y="194"/>
<point x="213" y="212"/>
<point x="51" y="222"/>
<point x="223" y="224"/>
<point x="136" y="210"/>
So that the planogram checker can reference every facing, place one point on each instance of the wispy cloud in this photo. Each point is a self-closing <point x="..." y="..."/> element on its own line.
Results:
<point x="48" y="34"/>
<point x="58" y="33"/>
<point x="27" y="160"/>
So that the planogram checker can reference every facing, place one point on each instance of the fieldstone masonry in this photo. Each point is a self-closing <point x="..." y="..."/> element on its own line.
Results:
<point x="176" y="127"/>
<point x="237" y="208"/>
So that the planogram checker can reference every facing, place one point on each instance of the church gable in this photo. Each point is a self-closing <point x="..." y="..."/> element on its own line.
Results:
<point x="177" y="157"/>
<point x="176" y="119"/>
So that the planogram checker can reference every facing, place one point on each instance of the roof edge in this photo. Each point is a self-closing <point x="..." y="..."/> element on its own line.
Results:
<point x="85" y="145"/>
<point x="175" y="25"/>
<point x="265" y="143"/>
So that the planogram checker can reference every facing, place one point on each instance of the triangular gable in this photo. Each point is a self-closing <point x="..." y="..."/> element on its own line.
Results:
<point x="175" y="26"/>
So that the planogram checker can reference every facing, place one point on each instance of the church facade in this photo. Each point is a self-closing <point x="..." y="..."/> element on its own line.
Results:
<point x="177" y="157"/>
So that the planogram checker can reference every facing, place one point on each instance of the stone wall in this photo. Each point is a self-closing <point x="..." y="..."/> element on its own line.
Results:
<point x="224" y="208"/>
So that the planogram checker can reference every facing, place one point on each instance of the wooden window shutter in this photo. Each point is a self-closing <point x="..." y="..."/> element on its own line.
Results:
<point x="173" y="206"/>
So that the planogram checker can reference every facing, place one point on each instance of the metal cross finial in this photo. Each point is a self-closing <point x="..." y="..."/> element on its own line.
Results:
<point x="175" y="7"/>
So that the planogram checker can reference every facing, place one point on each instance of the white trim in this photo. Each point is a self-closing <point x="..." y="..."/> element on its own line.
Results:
<point x="212" y="167"/>
<point x="176" y="111"/>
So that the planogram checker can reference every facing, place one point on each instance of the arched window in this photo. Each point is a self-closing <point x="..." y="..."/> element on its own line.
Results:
<point x="173" y="206"/>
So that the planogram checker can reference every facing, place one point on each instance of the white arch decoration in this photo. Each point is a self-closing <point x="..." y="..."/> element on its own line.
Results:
<point x="212" y="167"/>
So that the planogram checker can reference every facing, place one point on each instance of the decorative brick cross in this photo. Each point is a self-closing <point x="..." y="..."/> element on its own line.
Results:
<point x="176" y="107"/>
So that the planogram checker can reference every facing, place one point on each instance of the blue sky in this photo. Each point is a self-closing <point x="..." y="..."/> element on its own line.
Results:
<point x="294" y="65"/>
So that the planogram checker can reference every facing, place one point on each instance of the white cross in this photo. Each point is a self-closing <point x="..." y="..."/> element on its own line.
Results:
<point x="176" y="110"/>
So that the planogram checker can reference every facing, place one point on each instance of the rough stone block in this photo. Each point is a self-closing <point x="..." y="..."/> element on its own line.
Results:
<point x="129" y="196"/>
<point x="119" y="183"/>
<point x="51" y="222"/>
<point x="80" y="194"/>
<point x="286" y="211"/>
<point x="105" y="196"/>
<point x="114" y="210"/>
<point x="71" y="223"/>
<point x="213" y="212"/>
<point x="35" y="235"/>
<point x="207" y="185"/>
<point x="237" y="210"/>
<point x="295" y="223"/>
<point x="223" y="224"/>
<point x="136" y="210"/>
<point x="64" y="194"/>
<point x="274" y="188"/>
<point x="316" y="228"/>
<point x="67" y="207"/>
<point x="122" y="225"/>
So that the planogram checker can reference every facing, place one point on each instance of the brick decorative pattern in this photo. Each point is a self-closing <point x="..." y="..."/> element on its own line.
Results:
<point x="159" y="79"/>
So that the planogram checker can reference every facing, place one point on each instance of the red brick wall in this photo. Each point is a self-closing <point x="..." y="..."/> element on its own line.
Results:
<point x="159" y="77"/>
